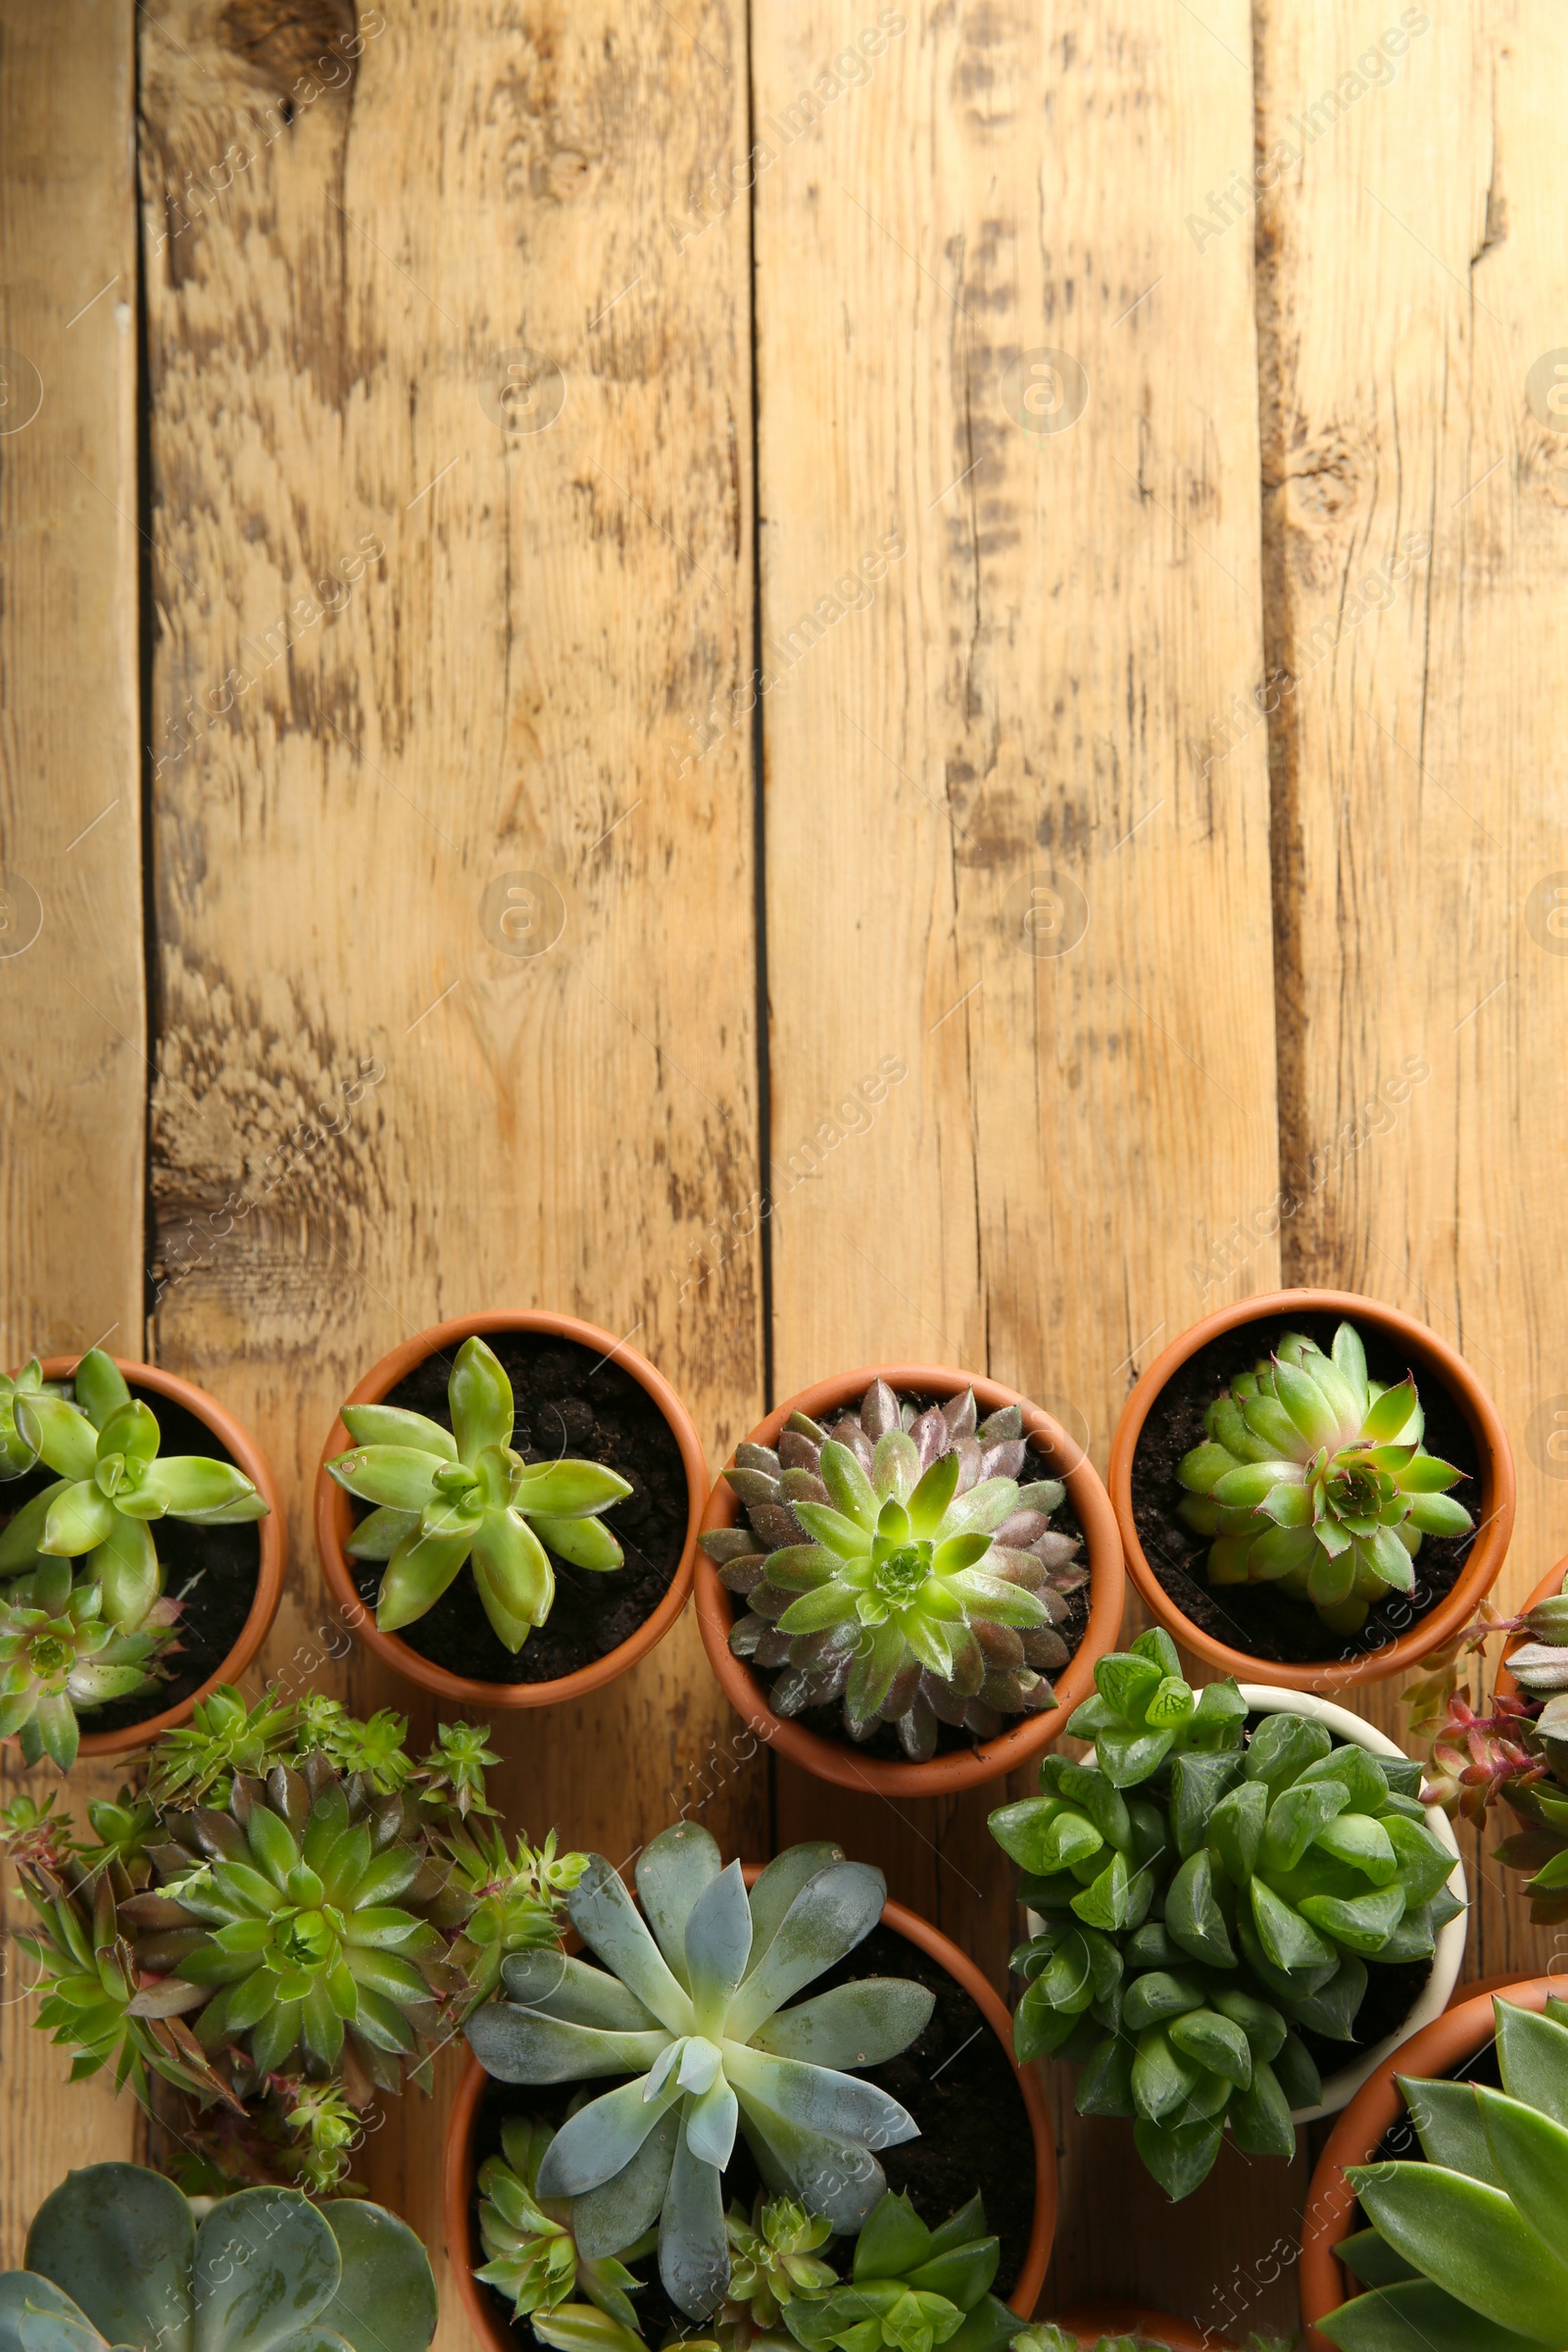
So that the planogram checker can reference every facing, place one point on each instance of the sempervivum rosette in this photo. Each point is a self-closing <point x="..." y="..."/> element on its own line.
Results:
<point x="894" y="1562"/>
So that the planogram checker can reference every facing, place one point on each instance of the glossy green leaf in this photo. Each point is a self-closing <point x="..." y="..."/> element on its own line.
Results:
<point x="512" y="1564"/>
<point x="586" y="1543"/>
<point x="1418" y="2317"/>
<point x="1470" y="2241"/>
<point x="391" y="1425"/>
<point x="1530" y="2155"/>
<point x="126" y="1566"/>
<point x="192" y="1486"/>
<point x="569" y="1490"/>
<point x="79" y="1518"/>
<point x="479" y="1398"/>
<point x="417" y="1575"/>
<point x="61" y="1434"/>
<point x="119" y="2239"/>
<point x="265" y="2264"/>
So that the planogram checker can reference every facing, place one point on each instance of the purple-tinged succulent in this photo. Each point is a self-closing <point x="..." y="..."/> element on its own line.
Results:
<point x="894" y="1562"/>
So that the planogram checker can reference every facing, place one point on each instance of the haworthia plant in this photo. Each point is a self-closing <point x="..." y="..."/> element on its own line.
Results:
<point x="112" y="1484"/>
<point x="894" y="1562"/>
<point x="118" y="2257"/>
<point x="911" y="2289"/>
<point x="1206" y="1894"/>
<point x="1468" y="2251"/>
<point x="690" y="2004"/>
<point x="1313" y="1476"/>
<point x="445" y="1496"/>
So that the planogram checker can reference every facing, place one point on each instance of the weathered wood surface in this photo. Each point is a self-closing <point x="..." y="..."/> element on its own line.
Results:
<point x="437" y="674"/>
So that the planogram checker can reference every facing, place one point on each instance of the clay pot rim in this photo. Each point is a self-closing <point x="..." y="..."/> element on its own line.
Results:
<point x="1503" y="1684"/>
<point x="1495" y="1476"/>
<point x="333" y="1512"/>
<point x="246" y="1456"/>
<point x="1091" y="2320"/>
<point x="459" y="2171"/>
<point x="1434" y="2051"/>
<point x="840" y="1763"/>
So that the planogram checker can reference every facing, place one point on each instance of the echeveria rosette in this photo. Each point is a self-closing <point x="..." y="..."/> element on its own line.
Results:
<point x="690" y="2006"/>
<point x="533" y="2258"/>
<point x="111" y="1485"/>
<point x="60" y="1656"/>
<point x="118" y="2256"/>
<point x="1313" y="1476"/>
<point x="911" y="2289"/>
<point x="1202" y="1899"/>
<point x="894" y="1562"/>
<point x="444" y="1497"/>
<point x="776" y="2259"/>
<point x="1468" y="2251"/>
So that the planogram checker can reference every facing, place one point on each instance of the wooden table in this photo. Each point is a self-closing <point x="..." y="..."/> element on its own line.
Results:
<point x="628" y="567"/>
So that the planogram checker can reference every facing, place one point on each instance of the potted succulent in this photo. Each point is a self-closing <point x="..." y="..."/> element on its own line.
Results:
<point x="141" y="1553"/>
<point x="1516" y="1750"/>
<point x="1129" y="2328"/>
<point x="1455" y="2163"/>
<point x="506" y="1509"/>
<point x="117" y="2256"/>
<point x="1313" y="1490"/>
<point x="758" y="2131"/>
<point x="286" y="1922"/>
<point x="1217" y="1908"/>
<point x="926" y="1570"/>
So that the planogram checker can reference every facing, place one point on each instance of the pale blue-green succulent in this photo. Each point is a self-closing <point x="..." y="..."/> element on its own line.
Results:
<point x="690" y="2006"/>
<point x="117" y="2256"/>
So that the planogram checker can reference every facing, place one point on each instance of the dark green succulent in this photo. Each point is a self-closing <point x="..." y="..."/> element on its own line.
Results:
<point x="911" y="2288"/>
<point x="894" y="1562"/>
<point x="1202" y="1899"/>
<point x="1312" y="1477"/>
<point x="112" y="1484"/>
<point x="445" y="1496"/>
<point x="59" y="1656"/>
<point x="117" y="2256"/>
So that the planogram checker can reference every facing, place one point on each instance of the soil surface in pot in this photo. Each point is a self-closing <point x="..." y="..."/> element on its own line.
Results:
<point x="827" y="1722"/>
<point x="212" y="1570"/>
<point x="568" y="1402"/>
<point x="1259" y="1619"/>
<point x="956" y="2081"/>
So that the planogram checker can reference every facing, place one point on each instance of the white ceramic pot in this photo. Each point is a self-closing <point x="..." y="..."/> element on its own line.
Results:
<point x="1263" y="1698"/>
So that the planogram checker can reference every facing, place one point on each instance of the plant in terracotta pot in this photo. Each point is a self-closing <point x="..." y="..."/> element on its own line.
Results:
<point x="907" y="1603"/>
<point x="92" y="1622"/>
<point x="506" y="1509"/>
<point x="284" y="1923"/>
<point x="1208" y="1896"/>
<point x="1115" y="2328"/>
<point x="1313" y="1490"/>
<point x="759" y="2130"/>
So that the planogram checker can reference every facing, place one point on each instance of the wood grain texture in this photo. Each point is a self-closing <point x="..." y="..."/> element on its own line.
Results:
<point x="996" y="861"/>
<point x="72" y="1079"/>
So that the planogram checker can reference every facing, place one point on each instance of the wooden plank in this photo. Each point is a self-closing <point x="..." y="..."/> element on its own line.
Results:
<point x="73" y="1085"/>
<point x="1420" y="791"/>
<point x="996" y="856"/>
<point x="531" y="604"/>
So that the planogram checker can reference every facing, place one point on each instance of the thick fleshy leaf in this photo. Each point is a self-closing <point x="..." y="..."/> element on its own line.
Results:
<point x="29" y="2300"/>
<point x="585" y="1543"/>
<point x="1284" y="1933"/>
<point x="834" y="2178"/>
<point x="1530" y="2155"/>
<point x="378" y="1535"/>
<point x="608" y="2218"/>
<point x="417" y="1575"/>
<point x="79" y="1518"/>
<point x="524" y="2046"/>
<point x="597" y="2143"/>
<point x="1471" y="2241"/>
<point x="265" y="2264"/>
<point x="517" y="1566"/>
<point x="569" y="1989"/>
<point x="817" y="2099"/>
<point x="391" y="1425"/>
<point x="53" y="2329"/>
<point x="18" y="1541"/>
<point x="828" y="1917"/>
<point x="192" y="1486"/>
<point x="672" y="1871"/>
<point x="842" y="1536"/>
<point x="386" y="2298"/>
<point x="566" y="1489"/>
<point x="125" y="1567"/>
<point x="131" y="1429"/>
<point x="854" y="2024"/>
<point x="1363" y="1922"/>
<point x="693" y="2246"/>
<point x="100" y="1387"/>
<point x="1418" y="2317"/>
<point x="711" y="2121"/>
<point x="1439" y="1515"/>
<point x="401" y="1476"/>
<point x="479" y="1396"/>
<point x="1533" y="2058"/>
<point x="611" y="1925"/>
<point x="119" y="2239"/>
<point x="930" y="1500"/>
<point x="64" y="1437"/>
<point x="894" y="2241"/>
<point x="774" y="1890"/>
<point x="1387" y="1414"/>
<point x="719" y="1945"/>
<point x="1451" y="2129"/>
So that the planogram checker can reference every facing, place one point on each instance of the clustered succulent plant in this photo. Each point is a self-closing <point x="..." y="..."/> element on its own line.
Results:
<point x="534" y="2259"/>
<point x="690" y="2008"/>
<point x="911" y="2289"/>
<point x="294" y="1904"/>
<point x="1515" y="1749"/>
<point x="1465" y="2252"/>
<point x="894" y="1562"/>
<point x="1312" y="1477"/>
<point x="117" y="2256"/>
<point x="445" y="1496"/>
<point x="1205" y="1894"/>
<point x="71" y="1640"/>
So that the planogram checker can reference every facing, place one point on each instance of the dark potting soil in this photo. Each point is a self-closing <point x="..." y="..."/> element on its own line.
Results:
<point x="827" y="1722"/>
<point x="568" y="1402"/>
<point x="1260" y="1619"/>
<point x="956" y="2080"/>
<point x="211" y="1570"/>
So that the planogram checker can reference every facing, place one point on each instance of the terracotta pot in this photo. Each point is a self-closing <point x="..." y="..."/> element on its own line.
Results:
<point x="1550" y="1584"/>
<point x="1131" y="2319"/>
<point x="839" y="1761"/>
<point x="1431" y="1359"/>
<point x="335" y="1514"/>
<point x="459" y="2168"/>
<point x="244" y="1452"/>
<point x="1330" y="2214"/>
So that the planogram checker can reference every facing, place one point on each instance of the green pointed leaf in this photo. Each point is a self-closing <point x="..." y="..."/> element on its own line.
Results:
<point x="929" y="1502"/>
<point x="479" y="1399"/>
<point x="892" y="2242"/>
<point x="1439" y="1515"/>
<point x="79" y="1518"/>
<point x="1418" y="2317"/>
<point x="1260" y="2116"/>
<point x="1470" y="2241"/>
<point x="586" y="1543"/>
<point x="126" y="1566"/>
<point x="1533" y="2058"/>
<point x="391" y="1425"/>
<point x="418" y="1574"/>
<point x="58" y="1432"/>
<point x="1363" y="1924"/>
<point x="397" y="1475"/>
<point x="852" y="1494"/>
<point x="1284" y="1933"/>
<point x="100" y="1387"/>
<point x="569" y="1490"/>
<point x="1192" y="1916"/>
<point x="190" y="1486"/>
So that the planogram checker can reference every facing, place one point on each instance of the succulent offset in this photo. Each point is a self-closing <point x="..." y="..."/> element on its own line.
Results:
<point x="893" y="1561"/>
<point x="117" y="2256"/>
<point x="446" y="1496"/>
<point x="776" y="2259"/>
<point x="911" y="2289"/>
<point x="59" y="1656"/>
<point x="1468" y="2251"/>
<point x="1202" y="1897"/>
<point x="1312" y="1477"/>
<point x="296" y="1904"/>
<point x="533" y="2257"/>
<point x="690" y="2006"/>
<point x="111" y="1485"/>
